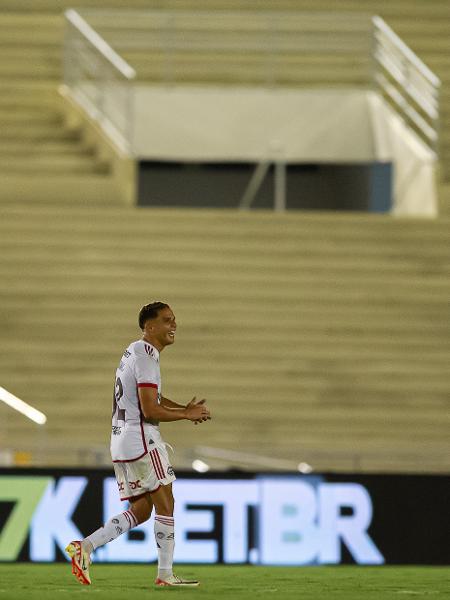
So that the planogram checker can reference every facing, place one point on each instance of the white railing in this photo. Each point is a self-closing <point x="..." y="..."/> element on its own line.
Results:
<point x="406" y="82"/>
<point x="99" y="80"/>
<point x="262" y="48"/>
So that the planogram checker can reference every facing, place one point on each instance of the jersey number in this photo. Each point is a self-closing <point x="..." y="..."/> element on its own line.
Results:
<point x="117" y="396"/>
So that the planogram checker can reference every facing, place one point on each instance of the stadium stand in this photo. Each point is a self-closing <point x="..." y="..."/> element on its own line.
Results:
<point x="30" y="69"/>
<point x="337" y="325"/>
<point x="317" y="337"/>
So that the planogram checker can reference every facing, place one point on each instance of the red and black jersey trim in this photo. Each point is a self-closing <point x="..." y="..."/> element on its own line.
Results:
<point x="157" y="464"/>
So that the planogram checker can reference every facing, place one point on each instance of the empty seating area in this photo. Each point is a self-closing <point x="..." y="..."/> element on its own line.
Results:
<point x="38" y="34"/>
<point x="40" y="158"/>
<point x="316" y="337"/>
<point x="31" y="69"/>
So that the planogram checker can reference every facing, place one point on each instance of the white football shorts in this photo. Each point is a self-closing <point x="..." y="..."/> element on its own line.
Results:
<point x="145" y="474"/>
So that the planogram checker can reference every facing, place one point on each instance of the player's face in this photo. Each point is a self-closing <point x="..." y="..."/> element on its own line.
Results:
<point x="161" y="331"/>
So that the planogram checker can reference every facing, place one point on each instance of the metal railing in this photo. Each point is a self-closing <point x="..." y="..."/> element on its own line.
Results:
<point x="406" y="82"/>
<point x="99" y="80"/>
<point x="264" y="48"/>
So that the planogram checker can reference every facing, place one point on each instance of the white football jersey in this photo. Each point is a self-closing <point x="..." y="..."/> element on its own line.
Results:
<point x="138" y="367"/>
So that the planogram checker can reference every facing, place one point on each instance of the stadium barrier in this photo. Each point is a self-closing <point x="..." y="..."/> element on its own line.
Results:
<point x="235" y="518"/>
<point x="156" y="113"/>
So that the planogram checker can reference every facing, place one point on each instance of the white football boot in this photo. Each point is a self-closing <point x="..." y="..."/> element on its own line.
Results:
<point x="175" y="581"/>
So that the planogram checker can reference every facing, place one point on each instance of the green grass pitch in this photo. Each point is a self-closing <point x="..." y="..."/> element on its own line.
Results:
<point x="123" y="582"/>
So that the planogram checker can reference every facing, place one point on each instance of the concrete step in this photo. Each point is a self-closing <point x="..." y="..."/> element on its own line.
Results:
<point x="218" y="68"/>
<point x="343" y="266"/>
<point x="48" y="165"/>
<point x="38" y="56"/>
<point x="33" y="115"/>
<point x="28" y="95"/>
<point x="22" y="148"/>
<point x="36" y="38"/>
<point x="58" y="189"/>
<point x="338" y="281"/>
<point x="94" y="308"/>
<point x="311" y="324"/>
<point x="432" y="261"/>
<point x="287" y="385"/>
<point x="444" y="200"/>
<point x="393" y="372"/>
<point x="35" y="132"/>
<point x="414" y="8"/>
<point x="10" y="19"/>
<point x="18" y="69"/>
<point x="327" y="61"/>
<point x="325" y="227"/>
<point x="381" y="337"/>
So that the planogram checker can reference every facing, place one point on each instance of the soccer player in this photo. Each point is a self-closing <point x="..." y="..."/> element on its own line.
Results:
<point x="141" y="463"/>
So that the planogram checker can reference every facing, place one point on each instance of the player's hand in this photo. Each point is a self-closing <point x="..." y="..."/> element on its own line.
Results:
<point x="204" y="415"/>
<point x="195" y="402"/>
<point x="197" y="411"/>
<point x="208" y="418"/>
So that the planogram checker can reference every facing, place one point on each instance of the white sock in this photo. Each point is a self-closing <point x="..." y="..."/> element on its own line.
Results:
<point x="110" y="531"/>
<point x="165" y="542"/>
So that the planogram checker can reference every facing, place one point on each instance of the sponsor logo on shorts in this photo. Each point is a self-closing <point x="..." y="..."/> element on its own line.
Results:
<point x="150" y="441"/>
<point x="160" y="535"/>
<point x="119" y="530"/>
<point x="116" y="430"/>
<point x="115" y="521"/>
<point x="121" y="486"/>
<point x="170" y="470"/>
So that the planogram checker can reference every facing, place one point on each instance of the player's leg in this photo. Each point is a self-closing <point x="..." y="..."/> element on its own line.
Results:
<point x="142" y="507"/>
<point x="164" y="529"/>
<point x="139" y="511"/>
<point x="132" y="479"/>
<point x="80" y="551"/>
<point x="165" y="538"/>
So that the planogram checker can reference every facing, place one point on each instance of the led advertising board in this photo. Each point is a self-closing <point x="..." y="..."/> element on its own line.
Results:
<point x="261" y="519"/>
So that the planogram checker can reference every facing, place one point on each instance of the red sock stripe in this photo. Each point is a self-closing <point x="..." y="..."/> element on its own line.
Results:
<point x="154" y="455"/>
<point x="134" y="522"/>
<point x="125" y="514"/>
<point x="164" y="520"/>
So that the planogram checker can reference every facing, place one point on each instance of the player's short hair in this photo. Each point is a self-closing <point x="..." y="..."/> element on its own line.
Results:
<point x="150" y="311"/>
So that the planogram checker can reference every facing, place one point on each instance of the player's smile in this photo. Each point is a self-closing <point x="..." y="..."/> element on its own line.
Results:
<point x="161" y="330"/>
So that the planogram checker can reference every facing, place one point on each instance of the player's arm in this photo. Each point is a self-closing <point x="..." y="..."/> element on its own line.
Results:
<point x="151" y="409"/>
<point x="171" y="405"/>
